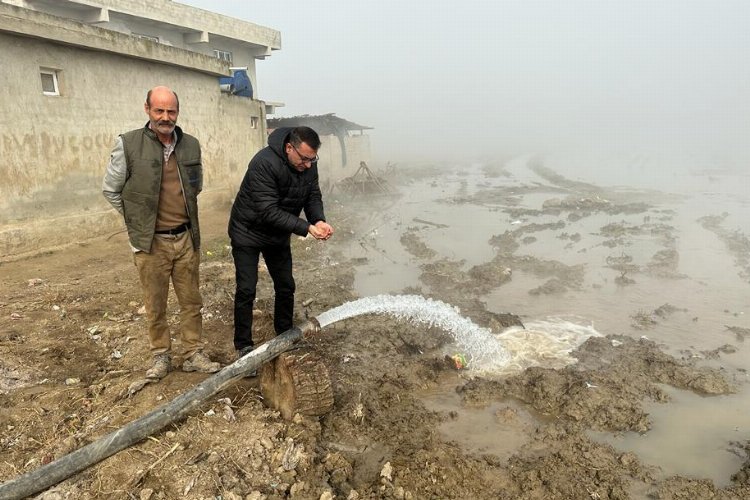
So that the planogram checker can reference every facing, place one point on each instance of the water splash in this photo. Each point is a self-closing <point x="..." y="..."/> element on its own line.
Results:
<point x="542" y="343"/>
<point x="479" y="344"/>
<point x="545" y="343"/>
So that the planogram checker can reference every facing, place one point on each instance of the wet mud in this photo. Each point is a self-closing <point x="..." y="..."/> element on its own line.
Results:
<point x="72" y="340"/>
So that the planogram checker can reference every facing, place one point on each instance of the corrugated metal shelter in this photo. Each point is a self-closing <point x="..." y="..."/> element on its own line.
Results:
<point x="344" y="146"/>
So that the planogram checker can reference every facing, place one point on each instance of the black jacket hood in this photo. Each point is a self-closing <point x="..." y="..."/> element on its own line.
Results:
<point x="272" y="196"/>
<point x="276" y="141"/>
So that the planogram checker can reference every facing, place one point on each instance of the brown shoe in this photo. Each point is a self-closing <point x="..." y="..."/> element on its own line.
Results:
<point x="199" y="362"/>
<point x="160" y="368"/>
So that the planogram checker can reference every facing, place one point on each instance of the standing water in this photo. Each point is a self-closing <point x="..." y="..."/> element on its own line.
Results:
<point x="705" y="286"/>
<point x="517" y="348"/>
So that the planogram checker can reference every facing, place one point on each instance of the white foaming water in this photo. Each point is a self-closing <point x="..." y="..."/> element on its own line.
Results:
<point x="477" y="343"/>
<point x="546" y="343"/>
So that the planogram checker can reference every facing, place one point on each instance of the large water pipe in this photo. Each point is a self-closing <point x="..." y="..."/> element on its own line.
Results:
<point x="104" y="447"/>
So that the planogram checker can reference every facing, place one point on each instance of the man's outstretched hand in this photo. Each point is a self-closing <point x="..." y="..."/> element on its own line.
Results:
<point x="321" y="230"/>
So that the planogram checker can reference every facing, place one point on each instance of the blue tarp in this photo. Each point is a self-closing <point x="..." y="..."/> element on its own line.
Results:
<point x="239" y="84"/>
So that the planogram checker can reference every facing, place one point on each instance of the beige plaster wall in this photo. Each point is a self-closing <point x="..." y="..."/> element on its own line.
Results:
<point x="331" y="168"/>
<point x="54" y="149"/>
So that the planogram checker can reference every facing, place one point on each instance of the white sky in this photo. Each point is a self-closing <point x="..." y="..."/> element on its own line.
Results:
<point x="496" y="77"/>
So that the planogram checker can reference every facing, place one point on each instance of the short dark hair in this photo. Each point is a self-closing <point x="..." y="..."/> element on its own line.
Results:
<point x="298" y="135"/>
<point x="148" y="99"/>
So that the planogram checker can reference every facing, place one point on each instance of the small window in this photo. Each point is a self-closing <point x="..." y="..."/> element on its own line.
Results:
<point x="254" y="122"/>
<point x="223" y="55"/>
<point x="49" y="81"/>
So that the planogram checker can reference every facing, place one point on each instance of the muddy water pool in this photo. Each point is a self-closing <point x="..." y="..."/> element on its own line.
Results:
<point x="498" y="429"/>
<point x="692" y="436"/>
<point x="704" y="289"/>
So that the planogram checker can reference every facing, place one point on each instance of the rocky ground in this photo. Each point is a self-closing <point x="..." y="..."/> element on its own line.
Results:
<point x="72" y="340"/>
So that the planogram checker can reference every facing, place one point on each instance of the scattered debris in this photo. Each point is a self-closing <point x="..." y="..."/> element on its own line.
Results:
<point x="458" y="361"/>
<point x="292" y="454"/>
<point x="435" y="224"/>
<point x="134" y="387"/>
<point x="387" y="472"/>
<point x="228" y="412"/>
<point x="363" y="182"/>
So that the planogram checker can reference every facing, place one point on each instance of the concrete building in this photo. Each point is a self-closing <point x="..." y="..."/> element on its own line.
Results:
<point x="74" y="75"/>
<point x="344" y="144"/>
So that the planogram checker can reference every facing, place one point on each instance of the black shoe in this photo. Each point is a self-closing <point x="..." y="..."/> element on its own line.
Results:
<point x="242" y="352"/>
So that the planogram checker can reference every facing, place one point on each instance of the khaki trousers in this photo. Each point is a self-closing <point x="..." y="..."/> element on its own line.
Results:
<point x="171" y="257"/>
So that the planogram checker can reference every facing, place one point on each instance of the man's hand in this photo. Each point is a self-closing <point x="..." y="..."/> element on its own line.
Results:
<point x="321" y="230"/>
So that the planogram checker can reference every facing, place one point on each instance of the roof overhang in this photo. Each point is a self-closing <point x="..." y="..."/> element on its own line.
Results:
<point x="30" y="23"/>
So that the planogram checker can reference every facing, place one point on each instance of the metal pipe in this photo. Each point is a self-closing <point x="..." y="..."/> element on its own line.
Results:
<point x="104" y="447"/>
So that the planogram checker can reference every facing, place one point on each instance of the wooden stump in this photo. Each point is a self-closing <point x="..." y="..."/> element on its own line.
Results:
<point x="297" y="382"/>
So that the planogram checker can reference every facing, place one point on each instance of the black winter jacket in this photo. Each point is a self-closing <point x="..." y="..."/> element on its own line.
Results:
<point x="272" y="196"/>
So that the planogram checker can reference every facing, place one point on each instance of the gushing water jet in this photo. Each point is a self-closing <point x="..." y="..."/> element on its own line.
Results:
<point x="483" y="349"/>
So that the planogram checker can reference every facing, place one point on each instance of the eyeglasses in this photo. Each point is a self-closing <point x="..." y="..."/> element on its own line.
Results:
<point x="304" y="159"/>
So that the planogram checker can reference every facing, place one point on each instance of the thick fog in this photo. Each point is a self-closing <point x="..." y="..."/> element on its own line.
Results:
<point x="663" y="82"/>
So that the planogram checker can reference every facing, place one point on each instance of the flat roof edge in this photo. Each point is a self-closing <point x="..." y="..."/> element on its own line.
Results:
<point x="172" y="12"/>
<point x="29" y="23"/>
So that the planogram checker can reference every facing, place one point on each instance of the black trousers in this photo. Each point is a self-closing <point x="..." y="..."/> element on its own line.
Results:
<point x="279" y="262"/>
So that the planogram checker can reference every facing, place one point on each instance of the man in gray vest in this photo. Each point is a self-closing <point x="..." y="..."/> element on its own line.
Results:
<point x="153" y="179"/>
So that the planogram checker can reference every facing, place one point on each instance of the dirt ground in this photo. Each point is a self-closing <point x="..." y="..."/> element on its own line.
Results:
<point x="72" y="341"/>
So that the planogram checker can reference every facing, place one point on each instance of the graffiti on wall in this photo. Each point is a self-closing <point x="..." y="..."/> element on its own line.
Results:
<point x="44" y="145"/>
<point x="32" y="160"/>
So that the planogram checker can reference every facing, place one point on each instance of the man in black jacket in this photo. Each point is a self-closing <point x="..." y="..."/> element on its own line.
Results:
<point x="281" y="181"/>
